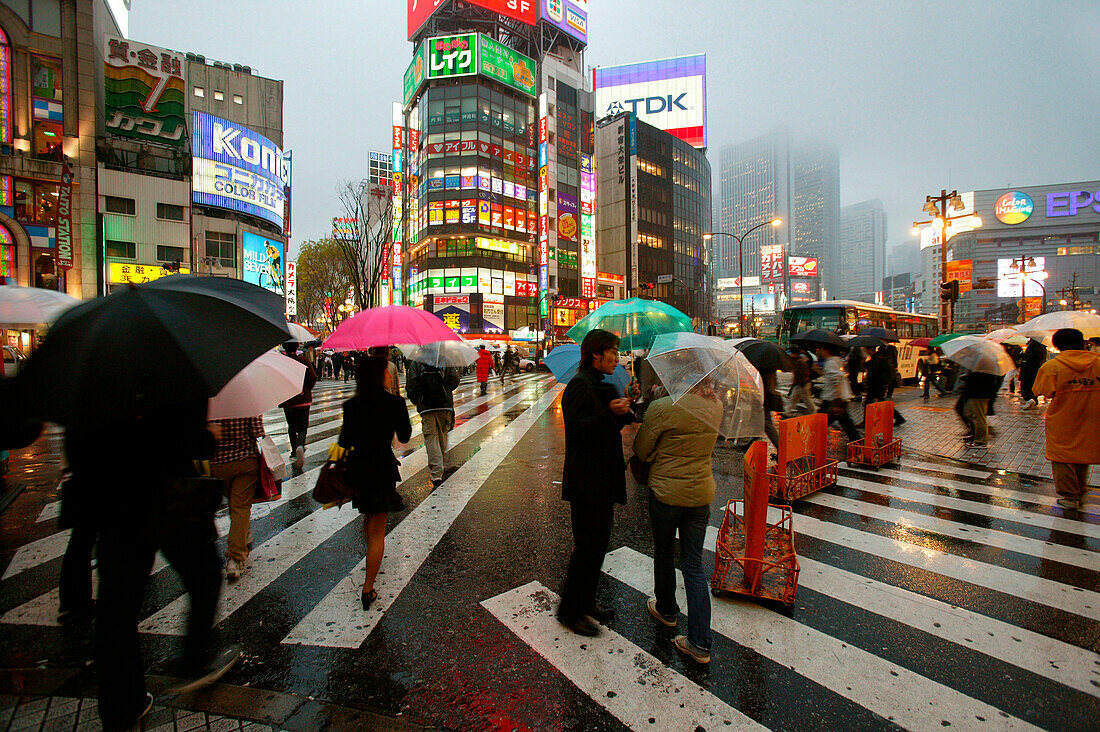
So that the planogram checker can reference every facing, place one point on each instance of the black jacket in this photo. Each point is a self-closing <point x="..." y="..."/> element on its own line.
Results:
<point x="370" y="422"/>
<point x="414" y="387"/>
<point x="880" y="373"/>
<point x="594" y="466"/>
<point x="977" y="385"/>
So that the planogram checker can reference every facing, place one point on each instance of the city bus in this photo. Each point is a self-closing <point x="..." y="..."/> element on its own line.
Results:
<point x="848" y="317"/>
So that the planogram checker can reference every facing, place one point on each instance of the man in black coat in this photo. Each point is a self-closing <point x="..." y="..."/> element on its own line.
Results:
<point x="594" y="479"/>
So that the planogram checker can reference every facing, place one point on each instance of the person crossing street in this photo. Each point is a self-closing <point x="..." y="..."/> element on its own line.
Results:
<point x="484" y="366"/>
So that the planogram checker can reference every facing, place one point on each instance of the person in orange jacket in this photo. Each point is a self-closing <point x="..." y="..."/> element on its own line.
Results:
<point x="484" y="366"/>
<point x="1072" y="380"/>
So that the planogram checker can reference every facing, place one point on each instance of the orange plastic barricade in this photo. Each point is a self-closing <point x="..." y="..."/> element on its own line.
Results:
<point x="753" y="557"/>
<point x="804" y="465"/>
<point x="878" y="445"/>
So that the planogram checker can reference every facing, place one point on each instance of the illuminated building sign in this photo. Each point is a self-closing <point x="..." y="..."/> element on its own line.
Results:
<point x="1063" y="204"/>
<point x="613" y="278"/>
<point x="1014" y="207"/>
<point x="497" y="245"/>
<point x="802" y="266"/>
<point x="144" y="92"/>
<point x="237" y="169"/>
<point x="263" y="262"/>
<point x="771" y="262"/>
<point x="398" y="174"/>
<point x="118" y="272"/>
<point x="670" y="94"/>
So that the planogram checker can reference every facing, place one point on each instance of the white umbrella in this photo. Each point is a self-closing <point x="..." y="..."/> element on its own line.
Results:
<point x="1001" y="335"/>
<point x="263" y="384"/>
<point x="440" y="353"/>
<point x="1044" y="325"/>
<point x="978" y="354"/>
<point x="32" y="307"/>
<point x="299" y="333"/>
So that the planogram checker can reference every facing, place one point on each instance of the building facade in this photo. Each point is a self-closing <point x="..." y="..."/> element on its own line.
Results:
<point x="860" y="252"/>
<point x="653" y="207"/>
<point x="1039" y="248"/>
<point x="815" y="206"/>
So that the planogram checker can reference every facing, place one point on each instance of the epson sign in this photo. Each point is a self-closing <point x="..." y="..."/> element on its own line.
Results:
<point x="670" y="94"/>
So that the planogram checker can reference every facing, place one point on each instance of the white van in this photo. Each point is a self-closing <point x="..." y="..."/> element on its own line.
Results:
<point x="13" y="361"/>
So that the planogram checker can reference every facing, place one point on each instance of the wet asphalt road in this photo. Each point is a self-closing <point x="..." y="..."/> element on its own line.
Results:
<point x="930" y="596"/>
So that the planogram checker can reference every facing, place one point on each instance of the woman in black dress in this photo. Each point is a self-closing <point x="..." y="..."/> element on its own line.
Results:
<point x="371" y="420"/>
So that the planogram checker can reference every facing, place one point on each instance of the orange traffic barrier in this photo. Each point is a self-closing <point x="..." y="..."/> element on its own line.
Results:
<point x="804" y="465"/>
<point x="753" y="557"/>
<point x="878" y="445"/>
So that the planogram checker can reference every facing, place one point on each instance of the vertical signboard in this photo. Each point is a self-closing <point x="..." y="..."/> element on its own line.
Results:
<point x="963" y="271"/>
<point x="771" y="263"/>
<point x="398" y="174"/>
<point x="263" y="262"/>
<point x="588" y="226"/>
<point x="414" y="75"/>
<point x="65" y="219"/>
<point x="291" y="289"/>
<point x="670" y="94"/>
<point x="632" y="233"/>
<point x="144" y="92"/>
<point x="544" y="206"/>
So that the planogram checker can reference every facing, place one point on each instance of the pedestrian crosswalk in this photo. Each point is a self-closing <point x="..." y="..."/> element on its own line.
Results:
<point x="930" y="596"/>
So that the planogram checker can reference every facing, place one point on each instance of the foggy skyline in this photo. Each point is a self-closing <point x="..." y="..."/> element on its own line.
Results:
<point x="918" y="97"/>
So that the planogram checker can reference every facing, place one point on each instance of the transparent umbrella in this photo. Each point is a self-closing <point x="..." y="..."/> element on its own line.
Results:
<point x="978" y="354"/>
<point x="1045" y="325"/>
<point x="440" y="353"/>
<point x="712" y="380"/>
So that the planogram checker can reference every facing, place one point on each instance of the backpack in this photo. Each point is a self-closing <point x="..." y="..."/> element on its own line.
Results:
<point x="433" y="393"/>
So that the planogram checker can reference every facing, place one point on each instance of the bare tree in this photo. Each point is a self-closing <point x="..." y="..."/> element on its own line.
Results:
<point x="371" y="210"/>
<point x="322" y="277"/>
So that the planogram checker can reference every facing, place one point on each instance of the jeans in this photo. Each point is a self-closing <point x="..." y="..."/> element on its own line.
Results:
<point x="932" y="378"/>
<point x="297" y="422"/>
<point x="435" y="426"/>
<point x="691" y="522"/>
<point x="591" y="535"/>
<point x="130" y="532"/>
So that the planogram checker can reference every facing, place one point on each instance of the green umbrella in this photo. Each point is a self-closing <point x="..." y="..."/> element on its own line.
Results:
<point x="636" y="321"/>
<point x="943" y="338"/>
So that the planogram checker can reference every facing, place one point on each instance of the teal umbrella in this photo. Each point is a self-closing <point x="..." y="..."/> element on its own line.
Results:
<point x="943" y="338"/>
<point x="636" y="321"/>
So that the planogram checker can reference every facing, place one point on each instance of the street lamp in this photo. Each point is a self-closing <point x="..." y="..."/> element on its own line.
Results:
<point x="936" y="207"/>
<point x="740" y="268"/>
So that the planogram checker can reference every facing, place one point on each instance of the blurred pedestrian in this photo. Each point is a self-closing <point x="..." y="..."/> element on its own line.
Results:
<point x="349" y="365"/>
<point x="484" y="366"/>
<point x="75" y="582"/>
<point x="506" y="362"/>
<point x="836" y="391"/>
<point x="800" y="399"/>
<point x="895" y="372"/>
<point x="296" y="409"/>
<point x="856" y="365"/>
<point x="337" y="364"/>
<point x="1071" y="380"/>
<point x="932" y="369"/>
<point x="880" y="376"/>
<point x="236" y="460"/>
<point x="679" y="444"/>
<point x="975" y="391"/>
<point x="373" y="418"/>
<point x="431" y="389"/>
<point x="1035" y="355"/>
<point x="149" y="502"/>
<point x="393" y="384"/>
<point x="593" y="479"/>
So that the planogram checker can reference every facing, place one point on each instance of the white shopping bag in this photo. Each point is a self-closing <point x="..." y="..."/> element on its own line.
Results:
<point x="271" y="455"/>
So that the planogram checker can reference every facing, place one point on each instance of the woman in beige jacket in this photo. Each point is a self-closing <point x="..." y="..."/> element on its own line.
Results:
<point x="678" y="439"/>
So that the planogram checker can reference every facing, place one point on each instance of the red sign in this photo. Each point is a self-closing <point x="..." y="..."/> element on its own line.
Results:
<point x="526" y="289"/>
<point x="606" y="277"/>
<point x="521" y="10"/>
<point x="65" y="220"/>
<point x="802" y="266"/>
<point x="771" y="262"/>
<point x="452" y="299"/>
<point x="397" y="137"/>
<point x="419" y="12"/>
<point x="588" y="287"/>
<point x="802" y="287"/>
<point x="574" y="303"/>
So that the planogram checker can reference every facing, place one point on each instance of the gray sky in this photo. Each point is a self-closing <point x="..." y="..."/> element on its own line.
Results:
<point x="969" y="94"/>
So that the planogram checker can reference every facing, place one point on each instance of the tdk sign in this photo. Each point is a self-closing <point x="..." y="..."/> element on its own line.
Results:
<point x="650" y="105"/>
<point x="670" y="94"/>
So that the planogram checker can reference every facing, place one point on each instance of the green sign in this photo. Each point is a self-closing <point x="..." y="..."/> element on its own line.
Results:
<point x="449" y="56"/>
<point x="414" y="75"/>
<point x="505" y="65"/>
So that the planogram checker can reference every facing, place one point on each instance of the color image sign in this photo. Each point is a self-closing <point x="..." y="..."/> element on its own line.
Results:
<point x="492" y="317"/>
<point x="771" y="262"/>
<point x="670" y="94"/>
<point x="571" y="17"/>
<point x="1013" y="207"/>
<point x="419" y="12"/>
<point x="449" y="56"/>
<point x="237" y="169"/>
<point x="760" y="303"/>
<point x="506" y="66"/>
<point x="263" y="262"/>
<point x="144" y="92"/>
<point x="802" y="266"/>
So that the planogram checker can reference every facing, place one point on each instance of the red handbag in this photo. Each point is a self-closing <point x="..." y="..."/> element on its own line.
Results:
<point x="331" y="487"/>
<point x="267" y="488"/>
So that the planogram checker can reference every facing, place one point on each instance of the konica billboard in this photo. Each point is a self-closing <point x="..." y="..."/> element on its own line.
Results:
<point x="237" y="169"/>
<point x="670" y="94"/>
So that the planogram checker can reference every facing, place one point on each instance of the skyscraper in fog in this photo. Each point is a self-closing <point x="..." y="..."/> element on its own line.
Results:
<point x="861" y="253"/>
<point x="815" y="206"/>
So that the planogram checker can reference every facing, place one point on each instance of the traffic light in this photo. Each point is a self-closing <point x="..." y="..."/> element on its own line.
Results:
<point x="949" y="291"/>
<point x="647" y="286"/>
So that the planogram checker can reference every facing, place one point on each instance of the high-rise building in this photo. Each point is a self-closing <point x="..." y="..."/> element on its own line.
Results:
<point x="815" y="206"/>
<point x="492" y="159"/>
<point x="861" y="251"/>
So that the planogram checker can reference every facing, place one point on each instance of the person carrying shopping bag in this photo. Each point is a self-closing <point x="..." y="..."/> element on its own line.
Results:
<point x="236" y="461"/>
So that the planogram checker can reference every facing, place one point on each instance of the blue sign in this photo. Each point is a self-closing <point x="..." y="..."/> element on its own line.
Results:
<point x="236" y="168"/>
<point x="263" y="263"/>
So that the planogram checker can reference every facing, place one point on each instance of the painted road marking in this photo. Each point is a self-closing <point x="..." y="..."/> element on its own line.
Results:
<point x="281" y="552"/>
<point x="966" y="532"/>
<point x="337" y="621"/>
<point x="640" y="691"/>
<point x="885" y="688"/>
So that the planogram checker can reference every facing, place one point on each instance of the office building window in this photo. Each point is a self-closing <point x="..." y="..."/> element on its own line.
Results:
<point x="169" y="211"/>
<point x="200" y="92"/>
<point x="169" y="254"/>
<point x="115" y="204"/>
<point x="218" y="96"/>
<point x="121" y="249"/>
<point x="238" y="99"/>
<point x="222" y="247"/>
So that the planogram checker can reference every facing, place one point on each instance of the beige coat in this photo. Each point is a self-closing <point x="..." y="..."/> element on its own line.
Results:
<point x="679" y="444"/>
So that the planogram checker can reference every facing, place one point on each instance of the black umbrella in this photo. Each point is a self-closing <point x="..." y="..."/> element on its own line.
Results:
<point x="765" y="355"/>
<point x="176" y="339"/>
<point x="818" y="337"/>
<point x="883" y="334"/>
<point x="865" y="341"/>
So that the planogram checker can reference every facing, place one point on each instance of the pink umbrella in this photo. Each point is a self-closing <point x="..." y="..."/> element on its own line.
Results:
<point x="387" y="325"/>
<point x="263" y="384"/>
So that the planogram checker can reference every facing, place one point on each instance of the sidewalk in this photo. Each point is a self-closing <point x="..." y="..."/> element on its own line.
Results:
<point x="1017" y="440"/>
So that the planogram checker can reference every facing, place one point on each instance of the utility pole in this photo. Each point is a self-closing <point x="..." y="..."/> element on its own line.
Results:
<point x="1070" y="293"/>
